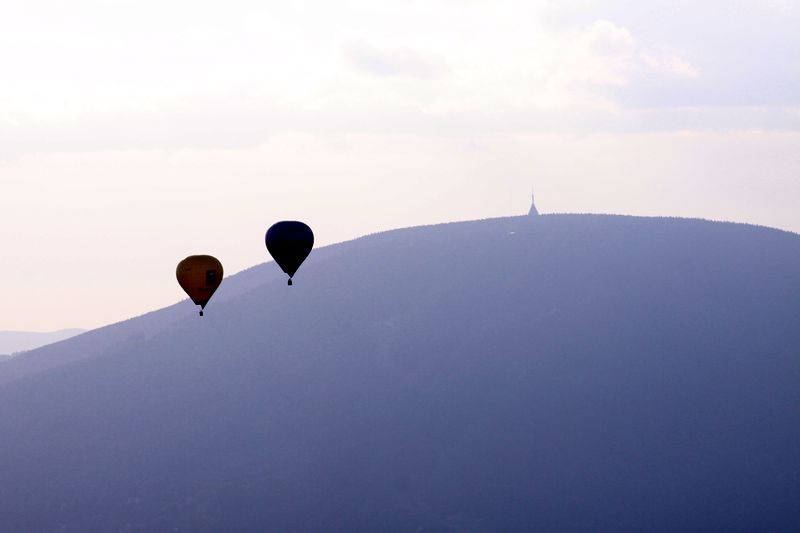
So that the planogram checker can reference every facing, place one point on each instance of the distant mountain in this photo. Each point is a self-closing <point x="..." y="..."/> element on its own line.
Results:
<point x="18" y="341"/>
<point x="551" y="373"/>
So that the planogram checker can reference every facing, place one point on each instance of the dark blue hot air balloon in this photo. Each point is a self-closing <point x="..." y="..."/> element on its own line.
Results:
<point x="289" y="242"/>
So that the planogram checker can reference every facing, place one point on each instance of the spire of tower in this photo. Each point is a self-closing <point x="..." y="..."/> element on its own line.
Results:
<point x="533" y="211"/>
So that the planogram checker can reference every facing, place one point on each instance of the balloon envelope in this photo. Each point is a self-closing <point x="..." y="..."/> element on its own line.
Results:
<point x="289" y="242"/>
<point x="199" y="276"/>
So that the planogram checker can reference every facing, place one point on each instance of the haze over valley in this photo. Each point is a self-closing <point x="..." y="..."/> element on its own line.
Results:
<point x="19" y="341"/>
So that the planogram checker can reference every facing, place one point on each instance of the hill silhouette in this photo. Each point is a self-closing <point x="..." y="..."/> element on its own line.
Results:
<point x="556" y="373"/>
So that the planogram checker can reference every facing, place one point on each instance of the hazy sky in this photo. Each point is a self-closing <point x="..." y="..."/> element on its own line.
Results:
<point x="134" y="133"/>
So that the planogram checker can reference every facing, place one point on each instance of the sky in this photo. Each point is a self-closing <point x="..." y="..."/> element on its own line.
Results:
<point x="135" y="133"/>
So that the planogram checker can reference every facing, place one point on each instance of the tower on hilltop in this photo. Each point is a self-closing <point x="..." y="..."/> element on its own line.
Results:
<point x="533" y="212"/>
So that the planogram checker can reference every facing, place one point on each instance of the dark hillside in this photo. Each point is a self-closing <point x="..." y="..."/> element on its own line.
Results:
<point x="556" y="373"/>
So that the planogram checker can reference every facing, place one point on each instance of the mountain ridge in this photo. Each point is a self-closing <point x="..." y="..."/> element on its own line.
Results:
<point x="568" y="373"/>
<point x="246" y="279"/>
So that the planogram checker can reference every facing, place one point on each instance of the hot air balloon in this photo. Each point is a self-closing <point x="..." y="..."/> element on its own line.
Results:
<point x="289" y="242"/>
<point x="199" y="276"/>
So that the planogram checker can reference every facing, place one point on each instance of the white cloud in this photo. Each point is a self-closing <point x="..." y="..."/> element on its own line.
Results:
<point x="203" y="78"/>
<point x="670" y="64"/>
<point x="601" y="54"/>
<point x="402" y="62"/>
<point x="607" y="54"/>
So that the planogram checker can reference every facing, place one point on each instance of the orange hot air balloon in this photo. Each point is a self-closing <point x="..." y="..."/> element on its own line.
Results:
<point x="199" y="276"/>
